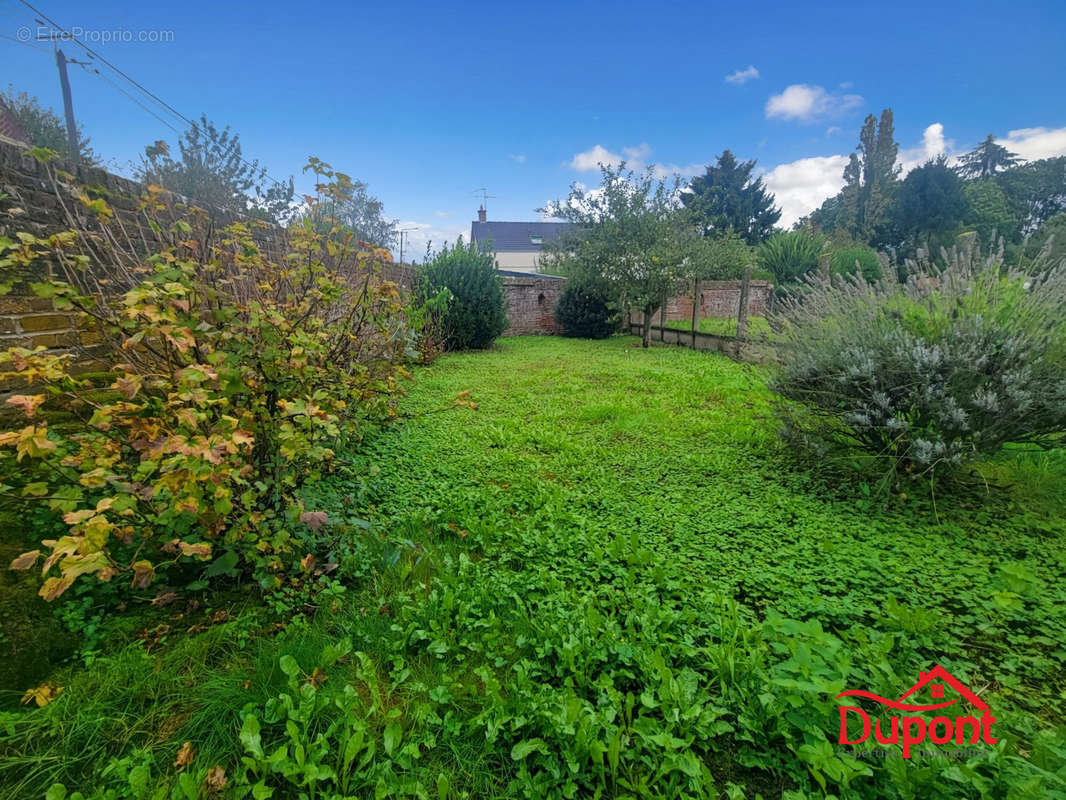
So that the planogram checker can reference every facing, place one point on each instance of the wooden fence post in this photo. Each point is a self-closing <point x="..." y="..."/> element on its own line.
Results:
<point x="742" y="313"/>
<point x="695" y="309"/>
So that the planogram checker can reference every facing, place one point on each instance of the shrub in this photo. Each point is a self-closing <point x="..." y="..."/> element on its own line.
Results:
<point x="925" y="376"/>
<point x="856" y="259"/>
<point x="791" y="255"/>
<point x="234" y="376"/>
<point x="477" y="312"/>
<point x="585" y="313"/>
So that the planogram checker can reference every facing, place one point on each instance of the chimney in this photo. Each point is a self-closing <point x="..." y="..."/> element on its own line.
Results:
<point x="482" y="215"/>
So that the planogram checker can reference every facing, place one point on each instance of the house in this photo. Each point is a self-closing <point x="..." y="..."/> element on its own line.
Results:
<point x="518" y="246"/>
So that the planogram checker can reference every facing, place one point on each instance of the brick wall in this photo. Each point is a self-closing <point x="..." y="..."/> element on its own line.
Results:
<point x="721" y="299"/>
<point x="531" y="304"/>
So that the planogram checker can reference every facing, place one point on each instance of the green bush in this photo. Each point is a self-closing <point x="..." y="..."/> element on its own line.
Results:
<point x="791" y="255"/>
<point x="856" y="259"/>
<point x="926" y="376"/>
<point x="236" y="373"/>
<point x="585" y="313"/>
<point x="477" y="312"/>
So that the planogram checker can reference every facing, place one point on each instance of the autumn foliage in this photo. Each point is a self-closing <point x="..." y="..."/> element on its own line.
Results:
<point x="236" y="360"/>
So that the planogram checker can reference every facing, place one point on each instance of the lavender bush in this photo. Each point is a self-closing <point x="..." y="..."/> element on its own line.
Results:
<point x="923" y="376"/>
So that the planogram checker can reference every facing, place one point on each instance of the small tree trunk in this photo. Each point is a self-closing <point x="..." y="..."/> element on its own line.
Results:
<point x="695" y="309"/>
<point x="662" y="322"/>
<point x="646" y="338"/>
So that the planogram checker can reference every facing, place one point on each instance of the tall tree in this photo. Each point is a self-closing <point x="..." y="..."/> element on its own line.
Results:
<point x="985" y="160"/>
<point x="870" y="178"/>
<point x="628" y="235"/>
<point x="44" y="127"/>
<point x="726" y="198"/>
<point x="929" y="205"/>
<point x="212" y="171"/>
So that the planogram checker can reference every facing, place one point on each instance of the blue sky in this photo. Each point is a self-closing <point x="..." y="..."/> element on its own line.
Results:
<point x="427" y="102"/>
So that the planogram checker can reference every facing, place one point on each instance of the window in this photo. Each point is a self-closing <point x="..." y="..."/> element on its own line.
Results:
<point x="533" y="239"/>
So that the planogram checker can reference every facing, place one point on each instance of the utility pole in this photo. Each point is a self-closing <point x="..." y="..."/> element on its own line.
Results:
<point x="403" y="231"/>
<point x="68" y="106"/>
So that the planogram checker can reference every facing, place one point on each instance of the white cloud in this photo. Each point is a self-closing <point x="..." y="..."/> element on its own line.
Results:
<point x="419" y="234"/>
<point x="520" y="158"/>
<point x="636" y="158"/>
<point x="742" y="76"/>
<point x="933" y="144"/>
<point x="833" y="130"/>
<point x="442" y="213"/>
<point x="592" y="158"/>
<point x="801" y="186"/>
<point x="1035" y="143"/>
<point x="807" y="103"/>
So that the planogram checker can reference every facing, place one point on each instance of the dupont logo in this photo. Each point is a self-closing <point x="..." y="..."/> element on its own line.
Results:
<point x="909" y="730"/>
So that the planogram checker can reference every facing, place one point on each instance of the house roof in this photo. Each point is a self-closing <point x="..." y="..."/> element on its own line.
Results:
<point x="514" y="273"/>
<point x="516" y="237"/>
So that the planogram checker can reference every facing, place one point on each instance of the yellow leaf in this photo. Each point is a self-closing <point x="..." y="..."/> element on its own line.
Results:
<point x="201" y="550"/>
<point x="143" y="574"/>
<point x="53" y="587"/>
<point x="43" y="694"/>
<point x="26" y="560"/>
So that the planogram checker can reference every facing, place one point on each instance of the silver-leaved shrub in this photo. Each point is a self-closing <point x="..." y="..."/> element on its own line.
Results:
<point x="923" y="376"/>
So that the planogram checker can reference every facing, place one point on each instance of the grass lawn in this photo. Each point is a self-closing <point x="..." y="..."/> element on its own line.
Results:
<point x="606" y="581"/>
<point x="723" y="326"/>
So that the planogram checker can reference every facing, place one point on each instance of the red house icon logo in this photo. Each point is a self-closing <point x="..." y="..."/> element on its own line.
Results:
<point x="908" y="730"/>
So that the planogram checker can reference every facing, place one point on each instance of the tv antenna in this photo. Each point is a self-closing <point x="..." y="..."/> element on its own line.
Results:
<point x="484" y="196"/>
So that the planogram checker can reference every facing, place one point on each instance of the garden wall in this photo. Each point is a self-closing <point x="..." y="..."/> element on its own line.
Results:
<point x="531" y="304"/>
<point x="722" y="299"/>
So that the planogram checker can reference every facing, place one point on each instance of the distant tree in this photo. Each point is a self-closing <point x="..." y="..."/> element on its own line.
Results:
<point x="45" y="128"/>
<point x="628" y="235"/>
<point x="212" y="172"/>
<point x="870" y="178"/>
<point x="928" y="205"/>
<point x="354" y="210"/>
<point x="726" y="198"/>
<point x="1035" y="191"/>
<point x="989" y="212"/>
<point x="365" y="215"/>
<point x="985" y="160"/>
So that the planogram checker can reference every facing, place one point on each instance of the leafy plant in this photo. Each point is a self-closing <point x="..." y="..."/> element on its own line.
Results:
<point x="477" y="311"/>
<point x="235" y="373"/>
<point x="585" y="313"/>
<point x="790" y="255"/>
<point x="925" y="377"/>
<point x="856" y="260"/>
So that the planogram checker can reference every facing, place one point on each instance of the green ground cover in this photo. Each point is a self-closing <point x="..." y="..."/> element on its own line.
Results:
<point x="608" y="580"/>
<point x="723" y="326"/>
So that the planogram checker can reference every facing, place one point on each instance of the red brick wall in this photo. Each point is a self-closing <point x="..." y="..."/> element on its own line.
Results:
<point x="531" y="304"/>
<point x="721" y="299"/>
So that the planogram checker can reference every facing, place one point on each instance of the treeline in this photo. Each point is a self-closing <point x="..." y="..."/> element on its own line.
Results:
<point x="990" y="192"/>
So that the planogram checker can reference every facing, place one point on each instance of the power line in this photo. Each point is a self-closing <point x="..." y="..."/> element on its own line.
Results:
<point x="24" y="44"/>
<point x="99" y="74"/>
<point x="93" y="54"/>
